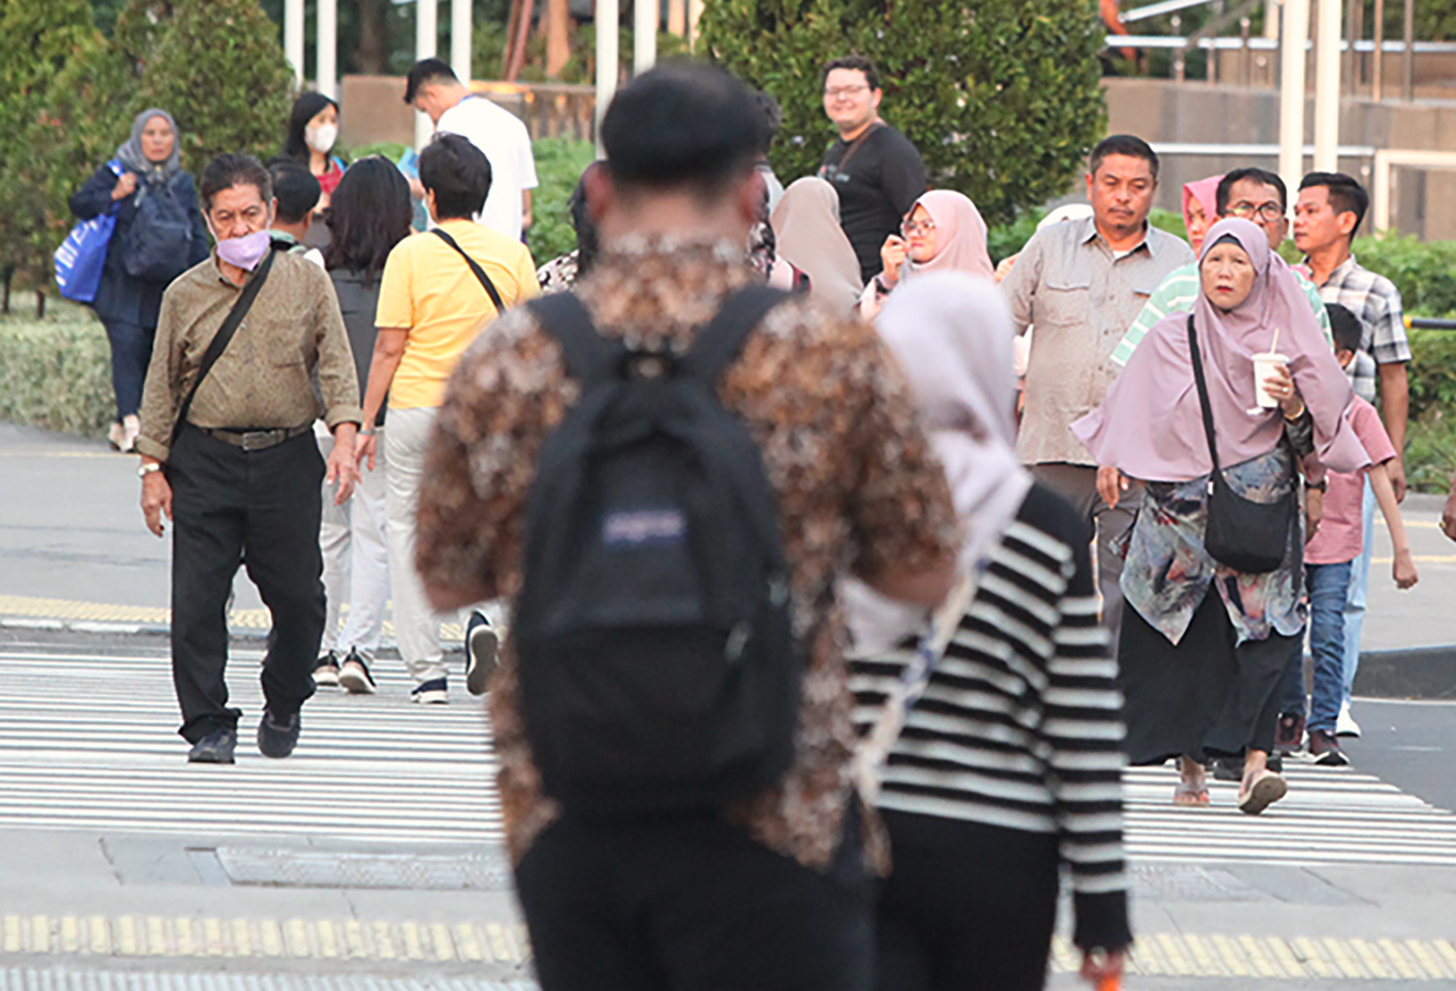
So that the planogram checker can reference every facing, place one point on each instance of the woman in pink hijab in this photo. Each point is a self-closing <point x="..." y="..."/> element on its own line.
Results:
<point x="1203" y="647"/>
<point x="943" y="232"/>
<point x="1200" y="209"/>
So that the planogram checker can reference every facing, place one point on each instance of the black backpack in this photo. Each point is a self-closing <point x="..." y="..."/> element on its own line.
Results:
<point x="159" y="244"/>
<point x="658" y="670"/>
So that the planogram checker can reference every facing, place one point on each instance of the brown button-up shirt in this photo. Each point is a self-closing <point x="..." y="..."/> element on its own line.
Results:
<point x="858" y="489"/>
<point x="265" y="378"/>
<point x="1081" y="296"/>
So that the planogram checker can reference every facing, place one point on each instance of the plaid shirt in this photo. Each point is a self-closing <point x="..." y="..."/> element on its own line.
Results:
<point x="1375" y="300"/>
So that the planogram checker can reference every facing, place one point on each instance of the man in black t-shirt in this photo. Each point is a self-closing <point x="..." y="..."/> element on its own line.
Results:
<point x="875" y="169"/>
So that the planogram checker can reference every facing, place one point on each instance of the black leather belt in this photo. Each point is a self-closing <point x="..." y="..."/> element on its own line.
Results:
<point x="255" y="440"/>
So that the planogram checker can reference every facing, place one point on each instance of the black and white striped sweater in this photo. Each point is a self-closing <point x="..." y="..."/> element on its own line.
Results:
<point x="1021" y="723"/>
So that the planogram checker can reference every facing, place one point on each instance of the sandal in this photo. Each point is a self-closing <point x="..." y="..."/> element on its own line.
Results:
<point x="1192" y="794"/>
<point x="1261" y="791"/>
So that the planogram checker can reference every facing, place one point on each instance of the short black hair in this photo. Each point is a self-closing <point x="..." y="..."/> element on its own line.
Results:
<point x="234" y="169"/>
<point x="1345" y="327"/>
<point x="1123" y="144"/>
<point x="296" y="190"/>
<point x="1346" y="194"/>
<point x="368" y="215"/>
<point x="1263" y="176"/>
<point x="458" y="173"/>
<point x="773" y="118"/>
<point x="858" y="63"/>
<point x="425" y="71"/>
<point x="683" y="125"/>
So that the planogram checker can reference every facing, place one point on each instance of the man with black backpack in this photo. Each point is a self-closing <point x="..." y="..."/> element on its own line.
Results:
<point x="668" y="473"/>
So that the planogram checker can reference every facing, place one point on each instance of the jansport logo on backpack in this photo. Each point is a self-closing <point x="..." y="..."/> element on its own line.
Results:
<point x="160" y="241"/>
<point x="657" y="664"/>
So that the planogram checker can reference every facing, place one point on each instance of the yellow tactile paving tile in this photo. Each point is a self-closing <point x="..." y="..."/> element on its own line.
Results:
<point x="1186" y="955"/>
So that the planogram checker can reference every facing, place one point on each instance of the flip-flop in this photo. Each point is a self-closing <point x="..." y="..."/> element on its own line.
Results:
<point x="1191" y="795"/>
<point x="1266" y="789"/>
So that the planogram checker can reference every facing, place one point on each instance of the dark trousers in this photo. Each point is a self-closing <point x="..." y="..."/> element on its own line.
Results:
<point x="690" y="903"/>
<point x="968" y="906"/>
<point x="230" y="505"/>
<point x="131" y="353"/>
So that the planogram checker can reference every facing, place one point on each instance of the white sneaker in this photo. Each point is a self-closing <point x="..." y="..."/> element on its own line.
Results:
<point x="1345" y="725"/>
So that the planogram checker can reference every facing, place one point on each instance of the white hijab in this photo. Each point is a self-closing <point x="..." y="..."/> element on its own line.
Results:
<point x="952" y="334"/>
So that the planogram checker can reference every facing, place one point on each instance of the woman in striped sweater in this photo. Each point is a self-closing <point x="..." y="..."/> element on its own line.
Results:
<point x="1008" y="764"/>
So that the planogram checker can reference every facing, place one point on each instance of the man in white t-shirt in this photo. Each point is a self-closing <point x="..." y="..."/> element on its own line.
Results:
<point x="435" y="90"/>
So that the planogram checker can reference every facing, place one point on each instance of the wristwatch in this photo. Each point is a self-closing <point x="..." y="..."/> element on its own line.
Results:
<point x="148" y="468"/>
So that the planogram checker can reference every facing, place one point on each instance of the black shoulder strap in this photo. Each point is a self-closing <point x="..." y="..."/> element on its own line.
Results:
<point x="717" y="345"/>
<point x="490" y="289"/>
<point x="589" y="356"/>
<point x="1202" y="392"/>
<point x="222" y="339"/>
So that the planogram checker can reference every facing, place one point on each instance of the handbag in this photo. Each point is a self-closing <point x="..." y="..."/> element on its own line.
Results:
<point x="82" y="255"/>
<point x="1250" y="537"/>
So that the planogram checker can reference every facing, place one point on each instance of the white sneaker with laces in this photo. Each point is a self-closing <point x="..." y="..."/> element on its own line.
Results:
<point x="1345" y="724"/>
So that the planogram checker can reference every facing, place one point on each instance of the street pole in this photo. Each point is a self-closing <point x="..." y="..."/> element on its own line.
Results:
<point x="328" y="48"/>
<point x="1293" y="35"/>
<point x="293" y="39"/>
<point x="608" y="20"/>
<point x="462" y="16"/>
<point x="1377" y="63"/>
<point x="427" y="39"/>
<point x="1327" y="88"/>
<point x="1408" y="80"/>
<point x="645" y="20"/>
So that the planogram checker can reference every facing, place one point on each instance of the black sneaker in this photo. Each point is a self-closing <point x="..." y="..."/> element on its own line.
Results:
<point x="1228" y="769"/>
<point x="326" y="672"/>
<point x="432" y="692"/>
<point x="215" y="748"/>
<point x="482" y="644"/>
<point x="1289" y="734"/>
<point x="1325" y="749"/>
<point x="354" y="676"/>
<point x="277" y="739"/>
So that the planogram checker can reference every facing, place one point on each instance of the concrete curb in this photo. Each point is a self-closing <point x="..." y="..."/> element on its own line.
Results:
<point x="1419" y="673"/>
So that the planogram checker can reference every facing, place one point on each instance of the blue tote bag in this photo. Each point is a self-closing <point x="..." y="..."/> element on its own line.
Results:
<point x="82" y="255"/>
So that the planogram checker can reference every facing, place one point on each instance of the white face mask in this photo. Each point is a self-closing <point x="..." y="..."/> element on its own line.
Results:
<point x="321" y="139"/>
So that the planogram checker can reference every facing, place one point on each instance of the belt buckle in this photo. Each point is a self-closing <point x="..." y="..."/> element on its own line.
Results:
<point x="258" y="440"/>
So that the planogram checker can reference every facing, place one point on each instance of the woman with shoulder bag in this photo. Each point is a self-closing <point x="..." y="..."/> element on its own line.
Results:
<point x="1213" y="572"/>
<point x="159" y="234"/>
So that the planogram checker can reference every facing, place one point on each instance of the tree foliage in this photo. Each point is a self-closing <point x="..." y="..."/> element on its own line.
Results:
<point x="1002" y="97"/>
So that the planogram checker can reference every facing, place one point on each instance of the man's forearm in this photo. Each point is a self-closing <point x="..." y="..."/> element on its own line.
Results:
<point x="1395" y="403"/>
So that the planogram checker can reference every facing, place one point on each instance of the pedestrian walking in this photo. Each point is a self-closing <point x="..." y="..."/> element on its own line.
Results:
<point x="1328" y="564"/>
<point x="1327" y="216"/>
<point x="876" y="171"/>
<point x="438" y="290"/>
<point x="765" y="889"/>
<point x="370" y="214"/>
<point x="808" y="237"/>
<point x="313" y="131"/>
<point x="560" y="274"/>
<point x="296" y="193"/>
<point x="433" y="89"/>
<point x="1204" y="647"/>
<point x="1200" y="209"/>
<point x="1081" y="283"/>
<point x="984" y="808"/>
<point x="250" y="351"/>
<point x="942" y="232"/>
<point x="159" y="234"/>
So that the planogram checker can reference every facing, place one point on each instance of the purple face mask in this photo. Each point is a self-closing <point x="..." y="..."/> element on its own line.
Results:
<point x="245" y="252"/>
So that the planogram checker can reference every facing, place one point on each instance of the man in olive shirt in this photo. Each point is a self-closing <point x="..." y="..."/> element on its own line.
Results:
<point x="245" y="474"/>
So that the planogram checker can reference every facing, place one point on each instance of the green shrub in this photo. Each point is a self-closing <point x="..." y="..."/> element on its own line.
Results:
<point x="1424" y="272"/>
<point x="1002" y="97"/>
<point x="56" y="373"/>
<point x="559" y="165"/>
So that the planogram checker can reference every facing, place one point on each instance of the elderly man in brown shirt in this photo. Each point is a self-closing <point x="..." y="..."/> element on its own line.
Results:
<point x="770" y="892"/>
<point x="240" y="475"/>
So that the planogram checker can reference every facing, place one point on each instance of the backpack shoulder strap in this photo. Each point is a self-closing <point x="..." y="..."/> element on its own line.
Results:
<point x="589" y="356"/>
<point x="718" y="344"/>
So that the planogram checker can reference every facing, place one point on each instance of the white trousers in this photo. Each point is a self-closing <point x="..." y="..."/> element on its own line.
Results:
<point x="356" y="560"/>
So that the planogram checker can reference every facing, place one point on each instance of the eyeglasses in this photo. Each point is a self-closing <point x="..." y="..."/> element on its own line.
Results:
<point x="911" y="228"/>
<point x="1269" y="212"/>
<point x="836" y="92"/>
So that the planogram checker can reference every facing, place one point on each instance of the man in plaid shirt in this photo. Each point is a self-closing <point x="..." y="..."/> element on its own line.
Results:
<point x="1327" y="214"/>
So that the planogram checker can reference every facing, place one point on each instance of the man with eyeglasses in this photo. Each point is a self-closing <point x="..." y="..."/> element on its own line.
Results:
<point x="875" y="169"/>
<point x="1256" y="195"/>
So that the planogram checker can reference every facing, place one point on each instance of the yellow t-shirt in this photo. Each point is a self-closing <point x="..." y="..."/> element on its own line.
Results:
<point x="429" y="291"/>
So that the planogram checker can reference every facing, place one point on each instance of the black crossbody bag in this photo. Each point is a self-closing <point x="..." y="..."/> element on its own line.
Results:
<point x="221" y="340"/>
<point x="490" y="289"/>
<point x="1248" y="536"/>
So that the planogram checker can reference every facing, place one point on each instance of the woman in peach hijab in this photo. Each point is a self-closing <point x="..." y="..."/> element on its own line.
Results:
<point x="1200" y="209"/>
<point x="943" y="232"/>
